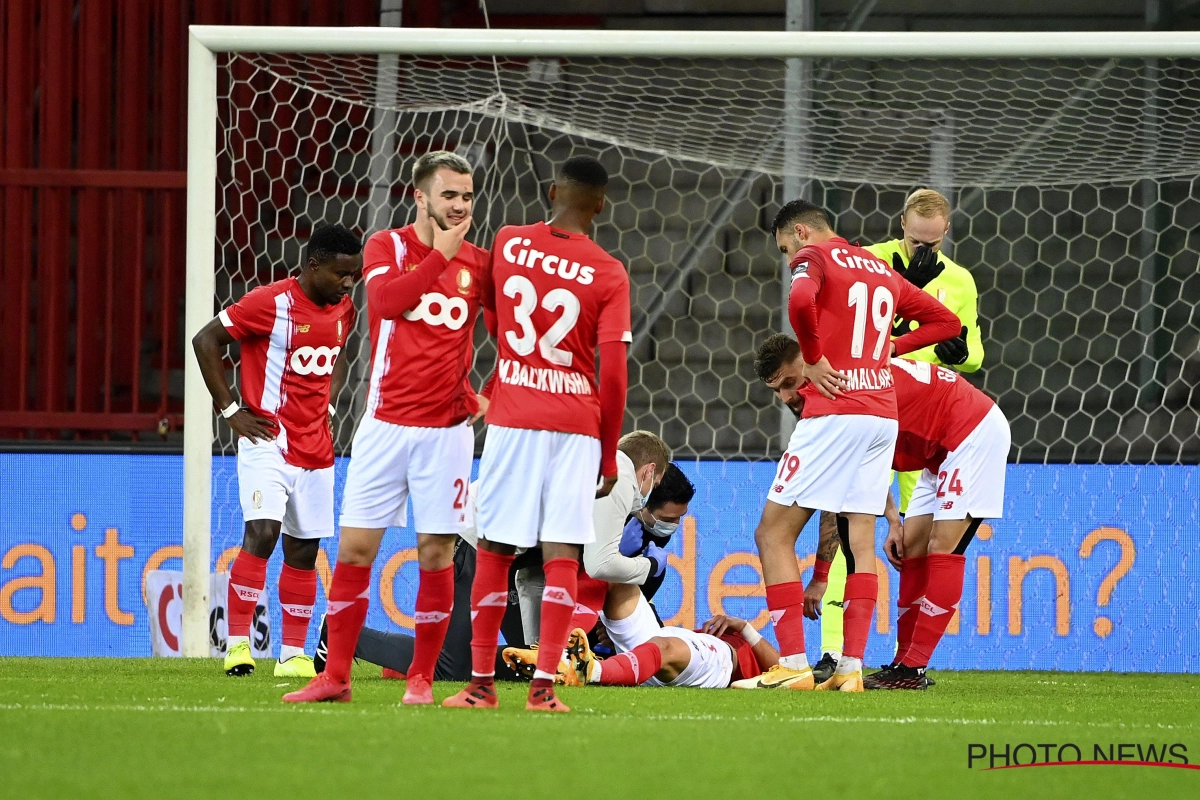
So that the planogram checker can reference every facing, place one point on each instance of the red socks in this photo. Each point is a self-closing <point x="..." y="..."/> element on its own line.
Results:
<point x="297" y="595"/>
<point x="247" y="578"/>
<point x="786" y="604"/>
<point x="589" y="600"/>
<point x="489" y="600"/>
<point x="435" y="600"/>
<point x="912" y="586"/>
<point x="558" y="606"/>
<point x="633" y="668"/>
<point x="943" y="591"/>
<point x="349" y="594"/>
<point x="859" y="606"/>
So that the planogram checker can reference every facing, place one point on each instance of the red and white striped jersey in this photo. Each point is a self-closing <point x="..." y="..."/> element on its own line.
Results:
<point x="289" y="347"/>
<point x="421" y="347"/>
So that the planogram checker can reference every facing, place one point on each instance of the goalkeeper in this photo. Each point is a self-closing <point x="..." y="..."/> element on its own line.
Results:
<point x="917" y="256"/>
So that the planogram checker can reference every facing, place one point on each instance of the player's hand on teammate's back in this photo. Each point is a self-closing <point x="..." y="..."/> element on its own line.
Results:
<point x="922" y="268"/>
<point x="448" y="242"/>
<point x="484" y="402"/>
<point x="829" y="382"/>
<point x="813" y="594"/>
<point x="893" y="545"/>
<point x="253" y="428"/>
<point x="605" y="485"/>
<point x="953" y="351"/>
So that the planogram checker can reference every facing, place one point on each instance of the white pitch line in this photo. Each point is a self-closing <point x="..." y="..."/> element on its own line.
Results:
<point x="316" y="709"/>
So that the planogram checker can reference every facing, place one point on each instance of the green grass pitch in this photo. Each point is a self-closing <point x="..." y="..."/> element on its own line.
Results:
<point x="172" y="728"/>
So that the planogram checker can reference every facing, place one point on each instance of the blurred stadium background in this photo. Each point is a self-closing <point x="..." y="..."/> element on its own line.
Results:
<point x="1074" y="186"/>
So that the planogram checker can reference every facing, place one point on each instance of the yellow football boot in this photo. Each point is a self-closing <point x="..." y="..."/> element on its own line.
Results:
<point x="779" y="677"/>
<point x="850" y="682"/>
<point x="580" y="665"/>
<point x="238" y="661"/>
<point x="300" y="666"/>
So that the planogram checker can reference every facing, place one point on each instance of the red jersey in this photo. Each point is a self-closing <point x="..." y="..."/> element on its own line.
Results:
<point x="557" y="297"/>
<point x="841" y="306"/>
<point x="746" y="664"/>
<point x="938" y="409"/>
<point x="289" y="347"/>
<point x="422" y="312"/>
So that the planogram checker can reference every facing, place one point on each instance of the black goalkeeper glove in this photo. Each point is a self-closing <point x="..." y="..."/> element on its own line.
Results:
<point x="923" y="267"/>
<point x="953" y="351"/>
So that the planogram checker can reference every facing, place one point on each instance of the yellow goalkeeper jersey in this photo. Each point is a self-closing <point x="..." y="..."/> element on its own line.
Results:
<point x="955" y="289"/>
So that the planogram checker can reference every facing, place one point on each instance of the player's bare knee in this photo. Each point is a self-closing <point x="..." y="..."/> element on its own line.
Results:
<point x="260" y="537"/>
<point x="300" y="553"/>
<point x="553" y="550"/>
<point x="435" y="551"/>
<point x="358" y="546"/>
<point x="675" y="657"/>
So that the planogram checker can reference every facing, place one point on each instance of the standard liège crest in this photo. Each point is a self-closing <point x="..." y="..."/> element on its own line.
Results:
<point x="339" y="331"/>
<point x="256" y="499"/>
<point x="303" y="328"/>
<point x="463" y="280"/>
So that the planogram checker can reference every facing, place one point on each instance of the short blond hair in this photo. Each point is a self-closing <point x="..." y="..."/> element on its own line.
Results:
<point x="927" y="203"/>
<point x="643" y="448"/>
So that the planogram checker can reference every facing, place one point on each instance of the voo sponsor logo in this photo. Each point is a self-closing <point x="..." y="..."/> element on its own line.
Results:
<point x="314" y="360"/>
<point x="437" y="309"/>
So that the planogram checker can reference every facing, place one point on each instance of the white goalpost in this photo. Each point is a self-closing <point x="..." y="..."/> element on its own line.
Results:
<point x="1058" y="140"/>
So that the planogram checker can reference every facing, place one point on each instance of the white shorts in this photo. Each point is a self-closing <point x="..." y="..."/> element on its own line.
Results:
<point x="711" y="666"/>
<point x="388" y="463"/>
<point x="537" y="486"/>
<point x="271" y="488"/>
<point x="970" y="481"/>
<point x="838" y="463"/>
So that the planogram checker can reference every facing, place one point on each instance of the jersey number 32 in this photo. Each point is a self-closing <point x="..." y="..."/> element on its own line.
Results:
<point x="524" y="292"/>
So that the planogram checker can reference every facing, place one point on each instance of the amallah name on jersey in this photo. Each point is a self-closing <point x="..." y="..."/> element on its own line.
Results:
<point x="551" y="264"/>
<point x="866" y="378"/>
<point x="542" y="379"/>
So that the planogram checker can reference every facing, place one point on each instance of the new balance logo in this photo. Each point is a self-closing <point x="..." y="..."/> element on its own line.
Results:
<point x="778" y="487"/>
<point x="431" y="617"/>
<point x="556" y="594"/>
<point x="494" y="599"/>
<point x="946" y="506"/>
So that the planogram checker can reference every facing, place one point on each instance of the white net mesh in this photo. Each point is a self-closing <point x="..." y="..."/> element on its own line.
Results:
<point x="1074" y="186"/>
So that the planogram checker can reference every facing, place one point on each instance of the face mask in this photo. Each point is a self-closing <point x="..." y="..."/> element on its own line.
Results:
<point x="665" y="528"/>
<point x="639" y="499"/>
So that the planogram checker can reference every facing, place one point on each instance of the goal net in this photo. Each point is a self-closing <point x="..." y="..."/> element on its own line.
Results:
<point x="1073" y="184"/>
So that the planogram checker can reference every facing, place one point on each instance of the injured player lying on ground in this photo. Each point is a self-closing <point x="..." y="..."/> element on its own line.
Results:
<point x="724" y="651"/>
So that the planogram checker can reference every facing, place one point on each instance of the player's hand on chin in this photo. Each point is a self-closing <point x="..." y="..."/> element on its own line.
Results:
<point x="605" y="485"/>
<point x="829" y="382"/>
<point x="813" y="594"/>
<point x="484" y="402"/>
<point x="448" y="242"/>
<point x="253" y="428"/>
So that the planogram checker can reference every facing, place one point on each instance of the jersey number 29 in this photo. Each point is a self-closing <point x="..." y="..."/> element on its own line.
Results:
<point x="882" y="304"/>
<point x="524" y="292"/>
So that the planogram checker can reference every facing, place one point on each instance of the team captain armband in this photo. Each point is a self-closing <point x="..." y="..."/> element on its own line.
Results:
<point x="821" y="570"/>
